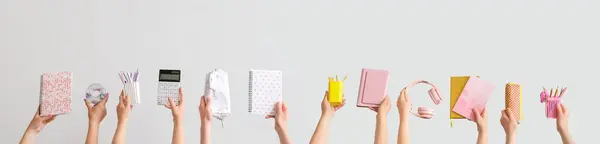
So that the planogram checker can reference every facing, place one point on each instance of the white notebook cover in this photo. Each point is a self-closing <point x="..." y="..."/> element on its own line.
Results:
<point x="265" y="90"/>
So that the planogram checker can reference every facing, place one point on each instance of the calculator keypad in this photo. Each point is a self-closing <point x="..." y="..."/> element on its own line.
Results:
<point x="166" y="90"/>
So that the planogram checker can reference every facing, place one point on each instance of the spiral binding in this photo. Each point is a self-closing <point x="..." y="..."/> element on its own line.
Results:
<point x="250" y="92"/>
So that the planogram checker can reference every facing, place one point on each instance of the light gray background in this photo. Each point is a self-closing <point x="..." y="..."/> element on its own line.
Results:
<point x="535" y="43"/>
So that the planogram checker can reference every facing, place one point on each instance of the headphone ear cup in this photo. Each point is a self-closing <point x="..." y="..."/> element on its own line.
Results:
<point x="425" y="113"/>
<point x="433" y="94"/>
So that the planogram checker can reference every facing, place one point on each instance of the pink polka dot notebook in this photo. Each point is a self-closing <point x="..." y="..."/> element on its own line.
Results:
<point x="55" y="95"/>
<point x="265" y="90"/>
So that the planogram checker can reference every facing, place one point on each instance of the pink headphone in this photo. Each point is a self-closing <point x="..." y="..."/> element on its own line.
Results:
<point x="434" y="94"/>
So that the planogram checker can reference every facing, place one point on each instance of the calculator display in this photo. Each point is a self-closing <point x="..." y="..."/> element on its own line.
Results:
<point x="169" y="75"/>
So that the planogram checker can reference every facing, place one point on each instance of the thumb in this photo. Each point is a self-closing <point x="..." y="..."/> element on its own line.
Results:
<point x="279" y="108"/>
<point x="477" y="115"/>
<point x="88" y="104"/>
<point x="559" y="109"/>
<point x="103" y="102"/>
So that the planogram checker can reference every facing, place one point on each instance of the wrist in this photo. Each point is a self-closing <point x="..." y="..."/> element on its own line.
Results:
<point x="177" y="119"/>
<point x="31" y="131"/>
<point x="327" y="115"/>
<point x="563" y="132"/>
<point x="93" y="125"/>
<point x="281" y="131"/>
<point x="381" y="116"/>
<point x="510" y="139"/>
<point x="482" y="131"/>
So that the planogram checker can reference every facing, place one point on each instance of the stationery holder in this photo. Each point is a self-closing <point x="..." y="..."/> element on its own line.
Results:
<point x="551" y="102"/>
<point x="335" y="91"/>
<point x="131" y="86"/>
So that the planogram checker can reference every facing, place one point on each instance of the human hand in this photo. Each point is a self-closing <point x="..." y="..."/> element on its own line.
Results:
<point x="38" y="122"/>
<point x="281" y="117"/>
<point x="404" y="105"/>
<point x="562" y="119"/>
<point x="123" y="108"/>
<point x="509" y="122"/>
<point x="384" y="107"/>
<point x="96" y="113"/>
<point x="204" y="108"/>
<point x="327" y="109"/>
<point x="480" y="120"/>
<point x="176" y="110"/>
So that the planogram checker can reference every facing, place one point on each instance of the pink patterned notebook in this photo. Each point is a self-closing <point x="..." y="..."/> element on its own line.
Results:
<point x="55" y="95"/>
<point x="373" y="87"/>
<point x="475" y="95"/>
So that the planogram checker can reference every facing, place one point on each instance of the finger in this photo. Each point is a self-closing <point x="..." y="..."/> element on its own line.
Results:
<point x="278" y="107"/>
<point x="180" y="96"/>
<point x="373" y="109"/>
<point x="509" y="113"/>
<point x="50" y="119"/>
<point x="167" y="106"/>
<point x="171" y="102"/>
<point x="284" y="106"/>
<point x="325" y="96"/>
<point x="88" y="104"/>
<point x="402" y="94"/>
<point x="559" y="109"/>
<point x="121" y="95"/>
<point x="127" y="100"/>
<point x="484" y="114"/>
<point x="564" y="109"/>
<point x="477" y="115"/>
<point x="406" y="98"/>
<point x="504" y="115"/>
<point x="37" y="111"/>
<point x="208" y="102"/>
<point x="103" y="102"/>
<point x="202" y="101"/>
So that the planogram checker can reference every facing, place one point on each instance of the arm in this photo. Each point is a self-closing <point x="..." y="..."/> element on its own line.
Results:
<point x="481" y="121"/>
<point x="320" y="134"/>
<point x="281" y="123"/>
<point x="177" y="111"/>
<point x="562" y="124"/>
<point x="381" y="135"/>
<point x="509" y="123"/>
<point x="403" y="109"/>
<point x="36" y="125"/>
<point x="205" y="117"/>
<point x="327" y="111"/>
<point x="123" y="109"/>
<point x="96" y="114"/>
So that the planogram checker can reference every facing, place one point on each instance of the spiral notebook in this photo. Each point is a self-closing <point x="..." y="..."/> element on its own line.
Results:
<point x="55" y="93"/>
<point x="265" y="90"/>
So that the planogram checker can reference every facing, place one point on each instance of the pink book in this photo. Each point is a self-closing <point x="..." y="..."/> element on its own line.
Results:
<point x="55" y="95"/>
<point x="373" y="87"/>
<point x="475" y="95"/>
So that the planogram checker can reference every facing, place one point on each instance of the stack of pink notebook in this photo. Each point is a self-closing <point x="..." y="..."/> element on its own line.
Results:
<point x="474" y="96"/>
<point x="373" y="87"/>
<point x="55" y="95"/>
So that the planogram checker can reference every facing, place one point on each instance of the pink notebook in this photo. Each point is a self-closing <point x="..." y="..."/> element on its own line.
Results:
<point x="475" y="95"/>
<point x="373" y="87"/>
<point x="55" y="96"/>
